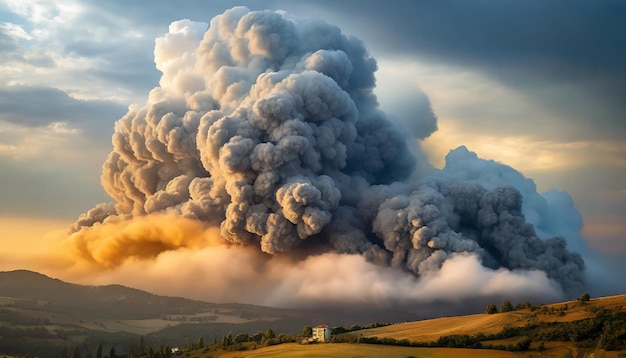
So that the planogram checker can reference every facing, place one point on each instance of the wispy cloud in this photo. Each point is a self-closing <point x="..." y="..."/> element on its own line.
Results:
<point x="15" y="31"/>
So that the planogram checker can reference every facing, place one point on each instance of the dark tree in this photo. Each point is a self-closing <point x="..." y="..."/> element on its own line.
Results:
<point x="506" y="306"/>
<point x="584" y="297"/>
<point x="242" y="337"/>
<point x="307" y="332"/>
<point x="112" y="353"/>
<point x="201" y="342"/>
<point x="338" y="330"/>
<point x="227" y="340"/>
<point x="491" y="308"/>
<point x="99" y="351"/>
<point x="269" y="334"/>
<point x="258" y="337"/>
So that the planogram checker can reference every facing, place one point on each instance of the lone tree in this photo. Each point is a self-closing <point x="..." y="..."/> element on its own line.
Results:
<point x="307" y="332"/>
<point x="491" y="308"/>
<point x="584" y="297"/>
<point x="506" y="306"/>
<point x="269" y="334"/>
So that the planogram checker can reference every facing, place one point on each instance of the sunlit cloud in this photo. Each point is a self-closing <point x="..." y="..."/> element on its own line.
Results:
<point x="44" y="11"/>
<point x="57" y="56"/>
<point x="526" y="153"/>
<point x="22" y="143"/>
<point x="608" y="234"/>
<point x="495" y="121"/>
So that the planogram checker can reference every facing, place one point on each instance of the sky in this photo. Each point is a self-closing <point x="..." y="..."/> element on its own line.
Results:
<point x="537" y="86"/>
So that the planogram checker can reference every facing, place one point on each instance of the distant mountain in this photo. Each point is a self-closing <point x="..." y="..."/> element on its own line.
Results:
<point x="111" y="301"/>
<point x="44" y="316"/>
<point x="32" y="289"/>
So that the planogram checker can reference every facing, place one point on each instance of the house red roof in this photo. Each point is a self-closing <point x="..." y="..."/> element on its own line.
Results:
<point x="322" y="326"/>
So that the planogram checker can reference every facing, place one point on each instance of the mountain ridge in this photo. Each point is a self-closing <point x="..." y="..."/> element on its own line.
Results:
<point x="114" y="301"/>
<point x="42" y="316"/>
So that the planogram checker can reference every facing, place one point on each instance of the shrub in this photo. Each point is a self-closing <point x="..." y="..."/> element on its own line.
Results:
<point x="506" y="306"/>
<point x="338" y="330"/>
<point x="491" y="309"/>
<point x="458" y="341"/>
<point x="523" y="344"/>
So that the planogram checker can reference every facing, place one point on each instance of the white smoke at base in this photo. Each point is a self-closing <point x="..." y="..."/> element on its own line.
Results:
<point x="215" y="271"/>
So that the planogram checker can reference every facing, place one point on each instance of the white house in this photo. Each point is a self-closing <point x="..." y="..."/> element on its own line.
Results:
<point x="321" y="333"/>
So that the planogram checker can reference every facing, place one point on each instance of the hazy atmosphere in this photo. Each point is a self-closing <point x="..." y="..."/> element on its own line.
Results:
<point x="316" y="152"/>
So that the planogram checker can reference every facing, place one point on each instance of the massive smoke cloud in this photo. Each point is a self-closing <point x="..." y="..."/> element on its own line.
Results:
<point x="267" y="127"/>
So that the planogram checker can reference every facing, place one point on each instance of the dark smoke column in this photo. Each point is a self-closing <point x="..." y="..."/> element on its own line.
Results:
<point x="268" y="127"/>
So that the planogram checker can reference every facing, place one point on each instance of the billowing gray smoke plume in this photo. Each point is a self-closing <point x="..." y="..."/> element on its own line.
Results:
<point x="268" y="127"/>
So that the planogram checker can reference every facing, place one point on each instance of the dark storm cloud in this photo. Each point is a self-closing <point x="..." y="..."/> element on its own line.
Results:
<point x="520" y="43"/>
<point x="569" y="56"/>
<point x="577" y="46"/>
<point x="557" y="38"/>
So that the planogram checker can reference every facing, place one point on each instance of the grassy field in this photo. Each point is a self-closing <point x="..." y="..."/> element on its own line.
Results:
<point x="432" y="329"/>
<point x="540" y="319"/>
<point x="294" y="350"/>
<point x="345" y="350"/>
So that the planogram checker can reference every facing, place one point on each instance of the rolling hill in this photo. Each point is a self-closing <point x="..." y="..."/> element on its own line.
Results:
<point x="48" y="318"/>
<point x="572" y="328"/>
<point x="43" y="316"/>
<point x="594" y="328"/>
<point x="432" y="329"/>
<point x="33" y="289"/>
